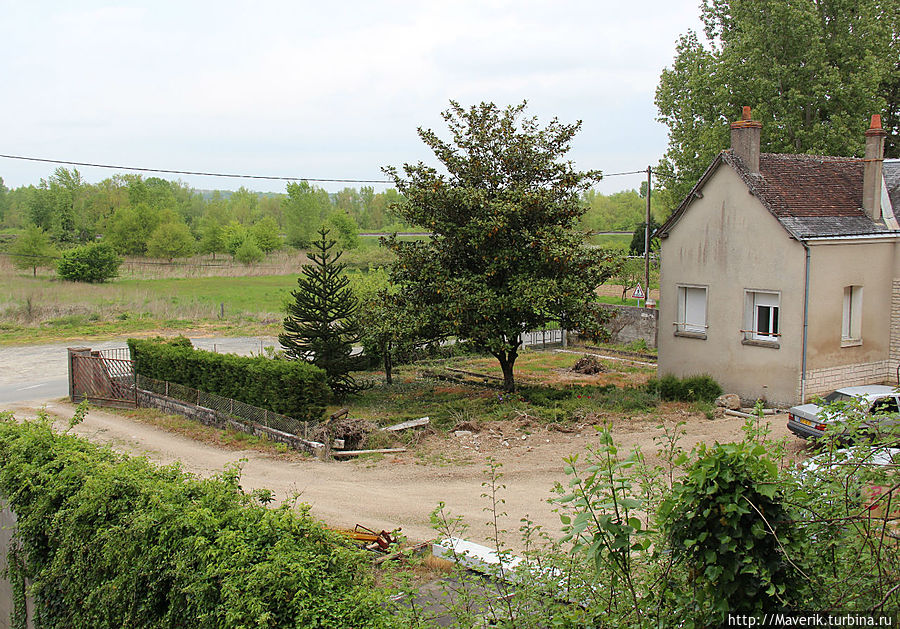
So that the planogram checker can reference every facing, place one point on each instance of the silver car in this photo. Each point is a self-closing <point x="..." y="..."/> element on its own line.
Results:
<point x="880" y="403"/>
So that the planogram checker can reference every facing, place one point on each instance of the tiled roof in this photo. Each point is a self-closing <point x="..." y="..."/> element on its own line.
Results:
<point x="811" y="195"/>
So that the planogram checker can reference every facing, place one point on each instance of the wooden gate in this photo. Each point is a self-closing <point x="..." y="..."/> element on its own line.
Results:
<point x="103" y="377"/>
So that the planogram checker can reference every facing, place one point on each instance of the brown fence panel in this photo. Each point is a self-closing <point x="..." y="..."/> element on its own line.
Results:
<point x="102" y="379"/>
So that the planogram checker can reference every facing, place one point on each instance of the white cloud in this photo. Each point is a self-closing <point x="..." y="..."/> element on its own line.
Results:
<point x="316" y="88"/>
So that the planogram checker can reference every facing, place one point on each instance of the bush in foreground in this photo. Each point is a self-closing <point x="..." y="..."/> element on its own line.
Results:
<point x="110" y="541"/>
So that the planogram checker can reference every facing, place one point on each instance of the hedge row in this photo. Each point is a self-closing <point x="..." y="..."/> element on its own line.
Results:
<point x="293" y="388"/>
<point x="699" y="388"/>
<point x="109" y="541"/>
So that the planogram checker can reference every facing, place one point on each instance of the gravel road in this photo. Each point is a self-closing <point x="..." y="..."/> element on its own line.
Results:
<point x="39" y="372"/>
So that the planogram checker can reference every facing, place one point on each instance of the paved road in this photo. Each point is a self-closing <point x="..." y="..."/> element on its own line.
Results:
<point x="31" y="373"/>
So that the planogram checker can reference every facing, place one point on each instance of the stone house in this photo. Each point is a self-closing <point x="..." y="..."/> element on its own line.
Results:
<point x="780" y="274"/>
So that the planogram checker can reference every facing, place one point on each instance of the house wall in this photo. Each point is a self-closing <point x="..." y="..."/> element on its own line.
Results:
<point x="730" y="243"/>
<point x="831" y="364"/>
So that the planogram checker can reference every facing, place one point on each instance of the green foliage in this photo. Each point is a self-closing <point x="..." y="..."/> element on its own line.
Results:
<point x="171" y="240"/>
<point x="813" y="72"/>
<point x="727" y="520"/>
<point x="267" y="235"/>
<point x="699" y="388"/>
<point x="619" y="211"/>
<point x="32" y="250"/>
<point x="234" y="235"/>
<point x="636" y="248"/>
<point x="96" y="262"/>
<point x="505" y="257"/>
<point x="321" y="326"/>
<point x="129" y="228"/>
<point x="303" y="212"/>
<point x="249" y="252"/>
<point x="109" y="541"/>
<point x="346" y="230"/>
<point x="292" y="388"/>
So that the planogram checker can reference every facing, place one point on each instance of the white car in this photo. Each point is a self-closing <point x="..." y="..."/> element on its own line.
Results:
<point x="880" y="402"/>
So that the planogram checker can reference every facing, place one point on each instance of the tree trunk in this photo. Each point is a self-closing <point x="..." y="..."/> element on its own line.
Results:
<point x="386" y="350"/>
<point x="507" y="361"/>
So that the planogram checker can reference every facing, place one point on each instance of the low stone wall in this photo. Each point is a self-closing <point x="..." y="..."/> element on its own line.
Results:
<point x="821" y="381"/>
<point x="632" y="323"/>
<point x="210" y="417"/>
<point x="7" y="595"/>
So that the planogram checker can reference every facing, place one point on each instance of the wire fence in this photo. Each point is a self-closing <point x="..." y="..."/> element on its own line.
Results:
<point x="238" y="410"/>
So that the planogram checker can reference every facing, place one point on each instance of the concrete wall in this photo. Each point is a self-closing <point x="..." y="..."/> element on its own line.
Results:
<point x="210" y="417"/>
<point x="729" y="243"/>
<point x="632" y="323"/>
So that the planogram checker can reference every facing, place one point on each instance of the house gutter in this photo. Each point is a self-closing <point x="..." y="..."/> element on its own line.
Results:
<point x="805" y="322"/>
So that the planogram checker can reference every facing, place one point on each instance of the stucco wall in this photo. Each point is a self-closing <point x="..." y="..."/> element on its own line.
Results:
<point x="728" y="242"/>
<point x="833" y="267"/>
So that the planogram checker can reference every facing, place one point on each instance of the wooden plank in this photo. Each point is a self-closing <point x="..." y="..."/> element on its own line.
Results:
<point x="343" y="453"/>
<point x="413" y="423"/>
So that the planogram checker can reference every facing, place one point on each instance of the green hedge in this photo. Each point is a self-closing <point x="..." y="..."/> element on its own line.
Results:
<point x="699" y="388"/>
<point x="109" y="541"/>
<point x="293" y="388"/>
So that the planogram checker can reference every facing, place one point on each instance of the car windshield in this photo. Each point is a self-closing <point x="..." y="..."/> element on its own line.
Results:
<point x="836" y="396"/>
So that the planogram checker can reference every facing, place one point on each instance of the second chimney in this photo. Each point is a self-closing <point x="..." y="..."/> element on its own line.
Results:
<point x="745" y="140"/>
<point x="872" y="169"/>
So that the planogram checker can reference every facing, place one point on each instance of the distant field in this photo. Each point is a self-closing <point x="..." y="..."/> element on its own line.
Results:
<point x="612" y="241"/>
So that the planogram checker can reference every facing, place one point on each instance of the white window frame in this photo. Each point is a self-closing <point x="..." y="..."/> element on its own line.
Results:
<point x="851" y="318"/>
<point x="756" y="327"/>
<point x="688" y="321"/>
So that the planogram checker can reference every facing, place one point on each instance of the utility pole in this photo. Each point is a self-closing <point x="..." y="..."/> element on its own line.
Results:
<point x="647" y="243"/>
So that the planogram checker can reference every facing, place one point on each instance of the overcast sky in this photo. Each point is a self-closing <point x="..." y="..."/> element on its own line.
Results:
<point x="321" y="89"/>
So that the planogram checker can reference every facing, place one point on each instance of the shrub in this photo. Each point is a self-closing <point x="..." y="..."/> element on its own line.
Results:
<point x="110" y="541"/>
<point x="249" y="252"/>
<point x="700" y="388"/>
<point x="95" y="262"/>
<point x="294" y="388"/>
<point x="726" y="519"/>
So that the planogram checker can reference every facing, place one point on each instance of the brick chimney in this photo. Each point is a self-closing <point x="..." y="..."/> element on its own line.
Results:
<point x="745" y="140"/>
<point x="872" y="168"/>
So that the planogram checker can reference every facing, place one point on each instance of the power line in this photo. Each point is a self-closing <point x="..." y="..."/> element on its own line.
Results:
<point x="191" y="172"/>
<point x="233" y="175"/>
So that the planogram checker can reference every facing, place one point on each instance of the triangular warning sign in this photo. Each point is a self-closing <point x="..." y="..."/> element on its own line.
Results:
<point x="638" y="293"/>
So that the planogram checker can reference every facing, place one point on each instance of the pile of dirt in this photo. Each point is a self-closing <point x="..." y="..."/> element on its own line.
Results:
<point x="352" y="431"/>
<point x="589" y="365"/>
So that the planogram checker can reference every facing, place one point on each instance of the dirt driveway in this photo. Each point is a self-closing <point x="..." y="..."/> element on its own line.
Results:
<point x="401" y="490"/>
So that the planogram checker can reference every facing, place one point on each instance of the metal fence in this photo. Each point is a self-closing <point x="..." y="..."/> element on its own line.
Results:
<point x="236" y="409"/>
<point x="542" y="338"/>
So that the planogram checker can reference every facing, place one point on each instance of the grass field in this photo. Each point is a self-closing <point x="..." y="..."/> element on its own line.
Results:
<point x="200" y="294"/>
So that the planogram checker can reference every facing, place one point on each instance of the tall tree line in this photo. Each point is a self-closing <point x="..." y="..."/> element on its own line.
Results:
<point x="167" y="219"/>
<point x="161" y="218"/>
<point x="813" y="71"/>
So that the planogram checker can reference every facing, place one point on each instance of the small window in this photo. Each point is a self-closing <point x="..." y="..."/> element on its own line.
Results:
<point x="691" y="311"/>
<point x="851" y="322"/>
<point x="762" y="316"/>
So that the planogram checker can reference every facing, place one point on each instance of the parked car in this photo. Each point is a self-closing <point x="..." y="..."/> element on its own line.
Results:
<point x="880" y="403"/>
<point x="866" y="475"/>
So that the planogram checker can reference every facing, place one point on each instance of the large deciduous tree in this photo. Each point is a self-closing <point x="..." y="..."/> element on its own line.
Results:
<point x="321" y="326"/>
<point x="33" y="249"/>
<point x="504" y="256"/>
<point x="814" y="71"/>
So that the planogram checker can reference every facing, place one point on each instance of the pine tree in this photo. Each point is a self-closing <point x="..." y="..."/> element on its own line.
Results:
<point x="321" y="323"/>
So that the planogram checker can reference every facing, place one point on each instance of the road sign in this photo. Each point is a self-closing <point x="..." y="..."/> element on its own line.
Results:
<point x="638" y="293"/>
